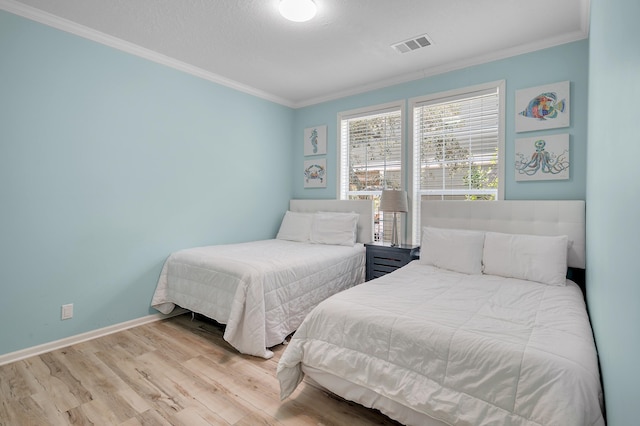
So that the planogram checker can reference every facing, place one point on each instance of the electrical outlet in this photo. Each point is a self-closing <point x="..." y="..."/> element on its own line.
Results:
<point x="67" y="311"/>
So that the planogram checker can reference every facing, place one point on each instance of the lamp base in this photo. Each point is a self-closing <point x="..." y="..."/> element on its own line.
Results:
<point x="394" y="232"/>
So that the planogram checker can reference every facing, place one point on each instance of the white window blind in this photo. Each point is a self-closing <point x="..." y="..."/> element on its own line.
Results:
<point x="371" y="156"/>
<point x="457" y="147"/>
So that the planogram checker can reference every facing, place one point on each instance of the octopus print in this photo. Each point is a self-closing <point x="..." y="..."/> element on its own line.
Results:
<point x="542" y="162"/>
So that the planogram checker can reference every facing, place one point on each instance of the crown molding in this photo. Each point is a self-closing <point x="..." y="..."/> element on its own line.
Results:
<point x="65" y="25"/>
<point x="452" y="66"/>
<point x="581" y="34"/>
<point x="116" y="43"/>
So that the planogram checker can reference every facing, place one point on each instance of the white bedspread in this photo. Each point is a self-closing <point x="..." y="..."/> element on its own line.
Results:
<point x="261" y="290"/>
<point x="463" y="349"/>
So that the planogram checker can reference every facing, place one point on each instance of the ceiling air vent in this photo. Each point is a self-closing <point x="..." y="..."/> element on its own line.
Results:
<point x="414" y="43"/>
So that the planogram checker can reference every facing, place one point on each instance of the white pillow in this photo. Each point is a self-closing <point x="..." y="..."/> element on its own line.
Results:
<point x="334" y="228"/>
<point x="453" y="249"/>
<point x="295" y="226"/>
<point x="528" y="257"/>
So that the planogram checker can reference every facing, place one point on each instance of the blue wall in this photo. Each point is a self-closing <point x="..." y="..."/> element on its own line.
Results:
<point x="613" y="203"/>
<point x="566" y="62"/>
<point x="109" y="162"/>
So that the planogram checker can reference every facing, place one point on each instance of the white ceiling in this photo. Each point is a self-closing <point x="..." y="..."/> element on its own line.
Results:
<point x="345" y="49"/>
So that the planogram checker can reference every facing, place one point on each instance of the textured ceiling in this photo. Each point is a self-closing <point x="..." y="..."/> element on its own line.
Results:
<point x="344" y="50"/>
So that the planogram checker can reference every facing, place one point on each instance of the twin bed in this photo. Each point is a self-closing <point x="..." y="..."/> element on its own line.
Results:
<point x="262" y="290"/>
<point x="482" y="329"/>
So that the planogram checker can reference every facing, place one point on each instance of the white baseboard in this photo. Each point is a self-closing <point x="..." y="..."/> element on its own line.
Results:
<point x="83" y="337"/>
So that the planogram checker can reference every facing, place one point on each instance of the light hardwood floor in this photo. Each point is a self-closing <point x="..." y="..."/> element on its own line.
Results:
<point x="177" y="371"/>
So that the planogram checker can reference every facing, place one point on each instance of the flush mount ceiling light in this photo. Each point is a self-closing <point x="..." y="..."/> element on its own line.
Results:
<point x="298" y="10"/>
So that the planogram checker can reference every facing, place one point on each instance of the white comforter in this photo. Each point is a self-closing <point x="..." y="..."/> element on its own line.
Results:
<point x="261" y="290"/>
<point x="463" y="349"/>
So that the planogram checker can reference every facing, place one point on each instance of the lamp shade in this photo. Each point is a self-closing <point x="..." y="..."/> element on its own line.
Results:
<point x="393" y="200"/>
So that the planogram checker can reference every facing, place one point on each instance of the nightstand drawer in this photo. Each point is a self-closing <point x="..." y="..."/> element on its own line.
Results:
<point x="378" y="270"/>
<point x="395" y="262"/>
<point x="383" y="259"/>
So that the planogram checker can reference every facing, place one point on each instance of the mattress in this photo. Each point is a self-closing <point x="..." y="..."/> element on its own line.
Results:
<point x="461" y="349"/>
<point x="261" y="290"/>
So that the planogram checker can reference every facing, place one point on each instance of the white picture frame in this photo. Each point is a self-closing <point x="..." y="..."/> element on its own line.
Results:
<point x="315" y="173"/>
<point x="315" y="140"/>
<point x="543" y="107"/>
<point x="542" y="158"/>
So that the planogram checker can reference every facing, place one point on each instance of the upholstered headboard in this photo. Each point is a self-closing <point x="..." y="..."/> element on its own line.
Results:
<point x="363" y="207"/>
<point x="533" y="217"/>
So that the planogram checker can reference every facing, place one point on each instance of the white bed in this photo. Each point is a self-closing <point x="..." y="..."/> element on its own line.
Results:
<point x="433" y="346"/>
<point x="262" y="290"/>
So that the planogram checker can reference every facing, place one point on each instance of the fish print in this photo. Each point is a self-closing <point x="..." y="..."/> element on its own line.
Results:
<point x="544" y="106"/>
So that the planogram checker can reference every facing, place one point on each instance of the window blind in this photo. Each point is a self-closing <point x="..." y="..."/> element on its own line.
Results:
<point x="456" y="146"/>
<point x="371" y="148"/>
<point x="371" y="156"/>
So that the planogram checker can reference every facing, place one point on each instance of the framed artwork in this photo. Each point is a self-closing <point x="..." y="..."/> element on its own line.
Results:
<point x="315" y="140"/>
<point x="542" y="158"/>
<point x="315" y="173"/>
<point x="543" y="107"/>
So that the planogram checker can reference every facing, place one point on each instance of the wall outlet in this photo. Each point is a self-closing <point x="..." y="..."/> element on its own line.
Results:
<point x="67" y="311"/>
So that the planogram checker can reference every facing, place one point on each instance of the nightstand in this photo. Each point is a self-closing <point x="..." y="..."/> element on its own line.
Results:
<point x="382" y="258"/>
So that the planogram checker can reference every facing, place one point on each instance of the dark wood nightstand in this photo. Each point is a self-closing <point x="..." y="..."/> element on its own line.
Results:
<point x="382" y="258"/>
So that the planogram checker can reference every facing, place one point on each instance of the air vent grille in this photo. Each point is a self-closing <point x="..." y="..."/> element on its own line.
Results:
<point x="414" y="43"/>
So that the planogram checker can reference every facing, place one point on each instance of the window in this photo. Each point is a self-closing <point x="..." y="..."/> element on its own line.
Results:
<point x="372" y="157"/>
<point x="458" y="146"/>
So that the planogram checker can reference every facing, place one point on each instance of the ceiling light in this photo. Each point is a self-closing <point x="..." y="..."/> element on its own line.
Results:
<point x="298" y="10"/>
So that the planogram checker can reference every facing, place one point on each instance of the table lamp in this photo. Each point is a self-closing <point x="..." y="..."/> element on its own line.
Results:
<point x="394" y="201"/>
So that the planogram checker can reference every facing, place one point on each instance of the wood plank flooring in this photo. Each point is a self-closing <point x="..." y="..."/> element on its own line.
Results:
<point x="176" y="371"/>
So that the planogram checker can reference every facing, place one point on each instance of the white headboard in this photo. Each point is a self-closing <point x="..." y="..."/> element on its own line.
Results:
<point x="363" y="207"/>
<point x="533" y="217"/>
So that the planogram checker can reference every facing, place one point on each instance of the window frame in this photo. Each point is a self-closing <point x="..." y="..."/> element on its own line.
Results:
<point x="342" y="186"/>
<point x="414" y="224"/>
